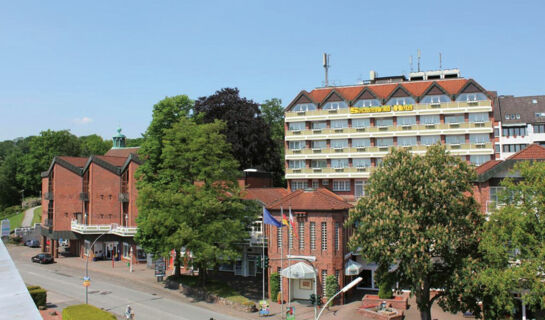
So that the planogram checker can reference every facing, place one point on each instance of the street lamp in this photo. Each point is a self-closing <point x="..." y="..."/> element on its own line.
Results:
<point x="343" y="290"/>
<point x="22" y="197"/>
<point x="87" y="265"/>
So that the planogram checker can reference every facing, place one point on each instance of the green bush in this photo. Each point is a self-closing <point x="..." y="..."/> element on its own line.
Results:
<point x="331" y="286"/>
<point x="275" y="285"/>
<point x="31" y="287"/>
<point x="385" y="287"/>
<point x="39" y="296"/>
<point x="85" y="312"/>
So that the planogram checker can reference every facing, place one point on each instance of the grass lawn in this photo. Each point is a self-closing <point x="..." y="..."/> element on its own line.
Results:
<point x="218" y="288"/>
<point x="16" y="220"/>
<point x="37" y="216"/>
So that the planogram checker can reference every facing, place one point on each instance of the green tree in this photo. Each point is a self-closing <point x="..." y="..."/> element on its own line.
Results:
<point x="246" y="131"/>
<point x="421" y="218"/>
<point x="134" y="142"/>
<point x="513" y="246"/>
<point x="273" y="115"/>
<point x="94" y="145"/>
<point x="331" y="287"/>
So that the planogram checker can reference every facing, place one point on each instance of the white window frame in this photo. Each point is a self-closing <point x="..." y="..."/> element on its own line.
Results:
<point x="341" y="185"/>
<point x="358" y="184"/>
<point x="300" y="126"/>
<point x="298" y="184"/>
<point x="324" y="236"/>
<point x="312" y="235"/>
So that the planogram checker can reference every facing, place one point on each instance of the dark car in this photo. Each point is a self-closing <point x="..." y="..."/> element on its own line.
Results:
<point x="32" y="243"/>
<point x="42" y="258"/>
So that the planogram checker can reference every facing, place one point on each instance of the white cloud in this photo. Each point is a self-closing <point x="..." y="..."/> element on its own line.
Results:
<point x="84" y="120"/>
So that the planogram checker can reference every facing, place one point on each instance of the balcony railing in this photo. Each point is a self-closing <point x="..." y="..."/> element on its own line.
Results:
<point x="48" y="196"/>
<point x="84" y="196"/>
<point x="103" y="228"/>
<point x="329" y="170"/>
<point x="123" y="197"/>
<point x="257" y="238"/>
<point x="48" y="222"/>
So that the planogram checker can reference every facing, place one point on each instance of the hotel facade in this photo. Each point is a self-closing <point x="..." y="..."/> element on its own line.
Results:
<point x="336" y="136"/>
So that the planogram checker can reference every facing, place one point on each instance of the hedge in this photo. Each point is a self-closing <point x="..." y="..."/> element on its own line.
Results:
<point x="39" y="296"/>
<point x="85" y="312"/>
<point x="275" y="285"/>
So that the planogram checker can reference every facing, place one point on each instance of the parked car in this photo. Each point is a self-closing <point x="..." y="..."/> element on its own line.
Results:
<point x="32" y="243"/>
<point x="42" y="258"/>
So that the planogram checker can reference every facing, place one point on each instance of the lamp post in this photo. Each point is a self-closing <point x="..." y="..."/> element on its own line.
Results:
<point x="343" y="290"/>
<point x="87" y="264"/>
<point x="22" y="198"/>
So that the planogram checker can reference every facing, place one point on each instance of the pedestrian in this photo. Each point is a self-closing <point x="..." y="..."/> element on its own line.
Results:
<point x="128" y="313"/>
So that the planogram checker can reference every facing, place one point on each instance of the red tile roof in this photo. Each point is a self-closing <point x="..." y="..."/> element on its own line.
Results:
<point x="265" y="195"/>
<point x="321" y="199"/>
<point x="124" y="152"/>
<point x="416" y="88"/>
<point x="115" y="161"/>
<point x="487" y="166"/>
<point x="533" y="151"/>
<point x="75" y="161"/>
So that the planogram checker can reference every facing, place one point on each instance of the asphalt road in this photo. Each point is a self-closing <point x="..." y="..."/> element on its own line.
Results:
<point x="65" y="288"/>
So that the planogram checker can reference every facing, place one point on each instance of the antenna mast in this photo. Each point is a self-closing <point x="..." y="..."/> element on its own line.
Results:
<point x="411" y="62"/>
<point x="440" y="61"/>
<point x="326" y="68"/>
<point x="418" y="58"/>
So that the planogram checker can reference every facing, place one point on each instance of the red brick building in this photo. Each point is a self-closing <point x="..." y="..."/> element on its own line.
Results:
<point x="318" y="236"/>
<point x="490" y="175"/>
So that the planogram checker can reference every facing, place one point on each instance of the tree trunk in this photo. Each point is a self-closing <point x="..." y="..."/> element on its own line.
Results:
<point x="423" y="300"/>
<point x="177" y="262"/>
<point x="202" y="275"/>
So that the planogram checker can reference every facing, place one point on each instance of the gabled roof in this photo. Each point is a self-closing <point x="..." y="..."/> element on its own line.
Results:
<point x="488" y="169"/>
<point x="265" y="195"/>
<point x="116" y="165"/>
<point x="123" y="152"/>
<point x="75" y="161"/>
<point x="318" y="200"/>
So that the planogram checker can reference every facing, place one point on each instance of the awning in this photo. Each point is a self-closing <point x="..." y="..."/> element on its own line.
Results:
<point x="299" y="270"/>
<point x="352" y="268"/>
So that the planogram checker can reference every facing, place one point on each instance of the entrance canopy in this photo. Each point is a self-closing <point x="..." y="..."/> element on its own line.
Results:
<point x="352" y="268"/>
<point x="299" y="270"/>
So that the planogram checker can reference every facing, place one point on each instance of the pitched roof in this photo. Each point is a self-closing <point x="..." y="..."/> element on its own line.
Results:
<point x="525" y="107"/>
<point x="75" y="161"/>
<point x="265" y="195"/>
<point x="532" y="152"/>
<point x="486" y="166"/>
<point x="115" y="161"/>
<point x="123" y="152"/>
<point x="320" y="199"/>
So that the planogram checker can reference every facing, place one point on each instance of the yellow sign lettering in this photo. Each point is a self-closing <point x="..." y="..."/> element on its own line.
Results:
<point x="407" y="107"/>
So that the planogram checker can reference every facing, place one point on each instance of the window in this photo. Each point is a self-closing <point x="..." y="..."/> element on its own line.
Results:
<point x="400" y="100"/>
<point x="312" y="235"/>
<point x="336" y="239"/>
<point x="361" y="143"/>
<point x="279" y="237"/>
<point x="339" y="143"/>
<point x="497" y="148"/>
<point x="406" y="141"/>
<point x="468" y="97"/>
<point x="324" y="236"/>
<point x="478" y="160"/>
<point x="455" y="139"/>
<point x="440" y="98"/>
<point x="319" y="144"/>
<point x="359" y="188"/>
<point x="514" y="147"/>
<point x="318" y="125"/>
<point x="304" y="107"/>
<point x="296" y="145"/>
<point x="324" y="276"/>
<point x="339" y="163"/>
<point x="361" y="123"/>
<point x="478" y="117"/>
<point x="337" y="275"/>
<point x="514" y="131"/>
<point x="385" y="142"/>
<point x="430" y="140"/>
<point x="315" y="184"/>
<point x="126" y="250"/>
<point x="454" y="119"/>
<point x="290" y="237"/>
<point x="430" y="119"/>
<point x="518" y="116"/>
<point x="378" y="162"/>
<point x="496" y="132"/>
<point x="335" y="105"/>
<point x="361" y="162"/>
<point x="384" y="122"/>
<point x="321" y="163"/>
<point x="479" y="138"/>
<point x="296" y="126"/>
<point x="296" y="164"/>
<point x="507" y="116"/>
<point x="367" y="103"/>
<point x="406" y="121"/>
<point x="301" y="235"/>
<point x="298" y="184"/>
<point x="341" y="185"/>
<point x="495" y="193"/>
<point x="339" y="124"/>
<point x="325" y="182"/>
<point x="539" y="128"/>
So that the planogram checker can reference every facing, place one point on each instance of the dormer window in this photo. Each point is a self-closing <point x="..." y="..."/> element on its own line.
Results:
<point x="367" y="103"/>
<point x="304" y="107"/>
<point x="468" y="97"/>
<point x="335" y="105"/>
<point x="441" y="98"/>
<point x="400" y="101"/>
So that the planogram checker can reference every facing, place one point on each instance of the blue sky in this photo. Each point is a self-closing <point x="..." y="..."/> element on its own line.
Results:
<point x="89" y="66"/>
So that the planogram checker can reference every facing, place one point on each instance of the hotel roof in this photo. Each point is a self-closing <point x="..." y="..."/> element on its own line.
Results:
<point x="316" y="200"/>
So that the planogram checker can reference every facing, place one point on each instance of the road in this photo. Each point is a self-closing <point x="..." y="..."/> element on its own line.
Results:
<point x="27" y="218"/>
<point x="65" y="288"/>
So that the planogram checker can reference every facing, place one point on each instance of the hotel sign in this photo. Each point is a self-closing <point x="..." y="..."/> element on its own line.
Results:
<point x="397" y="107"/>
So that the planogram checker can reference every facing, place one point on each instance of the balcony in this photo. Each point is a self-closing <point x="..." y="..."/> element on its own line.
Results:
<point x="103" y="228"/>
<point x="48" y="222"/>
<point x="123" y="197"/>
<point x="330" y="171"/>
<point x="84" y="196"/>
<point x="48" y="196"/>
<point x="257" y="239"/>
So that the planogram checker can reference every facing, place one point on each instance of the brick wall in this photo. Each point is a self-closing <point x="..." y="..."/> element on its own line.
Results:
<point x="67" y="187"/>
<point x="104" y="188"/>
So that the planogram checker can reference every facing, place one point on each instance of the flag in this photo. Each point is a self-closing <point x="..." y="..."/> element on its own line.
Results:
<point x="269" y="219"/>
<point x="284" y="219"/>
<point x="292" y="222"/>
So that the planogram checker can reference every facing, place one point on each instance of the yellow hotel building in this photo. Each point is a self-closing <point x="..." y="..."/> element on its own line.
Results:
<point x="336" y="136"/>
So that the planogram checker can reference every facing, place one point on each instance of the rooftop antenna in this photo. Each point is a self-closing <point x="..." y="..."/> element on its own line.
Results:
<point x="411" y="62"/>
<point x="326" y="67"/>
<point x="418" y="58"/>
<point x="440" y="61"/>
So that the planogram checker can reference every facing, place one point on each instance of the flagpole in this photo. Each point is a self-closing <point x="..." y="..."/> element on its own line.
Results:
<point x="263" y="251"/>
<point x="282" y="265"/>
<point x="290" y="233"/>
